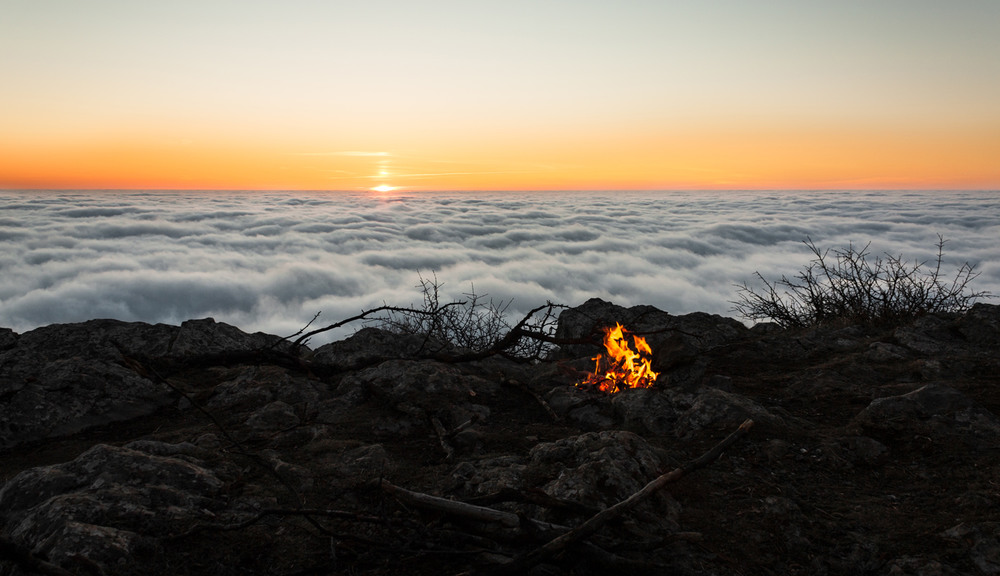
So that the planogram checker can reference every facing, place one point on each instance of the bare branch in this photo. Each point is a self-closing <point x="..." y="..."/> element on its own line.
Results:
<point x="366" y="313"/>
<point x="522" y="564"/>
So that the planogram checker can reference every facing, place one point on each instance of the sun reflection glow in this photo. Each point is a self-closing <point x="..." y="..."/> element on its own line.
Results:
<point x="384" y="188"/>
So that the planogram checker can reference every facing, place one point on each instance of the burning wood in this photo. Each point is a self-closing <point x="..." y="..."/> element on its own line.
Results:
<point x="623" y="366"/>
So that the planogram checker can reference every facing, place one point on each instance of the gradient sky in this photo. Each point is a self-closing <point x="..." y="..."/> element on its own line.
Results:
<point x="311" y="94"/>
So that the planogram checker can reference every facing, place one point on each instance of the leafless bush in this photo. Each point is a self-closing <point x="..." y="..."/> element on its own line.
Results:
<point x="476" y="324"/>
<point x="850" y="286"/>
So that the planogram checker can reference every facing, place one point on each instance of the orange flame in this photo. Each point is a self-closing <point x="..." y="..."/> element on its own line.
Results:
<point x="622" y="367"/>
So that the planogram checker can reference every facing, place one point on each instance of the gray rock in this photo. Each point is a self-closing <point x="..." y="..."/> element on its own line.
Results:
<point x="562" y="399"/>
<point x="591" y="417"/>
<point x="977" y="331"/>
<point x="864" y="451"/>
<point x="108" y="501"/>
<point x="65" y="378"/>
<point x="933" y="409"/>
<point x="714" y="408"/>
<point x="983" y="540"/>
<point x="355" y="466"/>
<point x="370" y="346"/>
<point x="916" y="566"/>
<point x="600" y="469"/>
<point x="421" y="388"/>
<point x="645" y="411"/>
<point x="981" y="326"/>
<point x="884" y="352"/>
<point x="8" y="339"/>
<point x="927" y="334"/>
<point x="254" y="387"/>
<point x="206" y="336"/>
<point x="488" y="475"/>
<point x="61" y="379"/>
<point x="272" y="418"/>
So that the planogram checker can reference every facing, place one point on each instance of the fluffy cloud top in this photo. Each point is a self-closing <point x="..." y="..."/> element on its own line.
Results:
<point x="270" y="261"/>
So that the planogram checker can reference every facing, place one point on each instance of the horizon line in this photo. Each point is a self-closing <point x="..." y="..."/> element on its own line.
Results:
<point x="399" y="189"/>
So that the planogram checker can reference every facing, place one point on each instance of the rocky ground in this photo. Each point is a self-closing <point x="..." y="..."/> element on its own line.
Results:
<point x="127" y="448"/>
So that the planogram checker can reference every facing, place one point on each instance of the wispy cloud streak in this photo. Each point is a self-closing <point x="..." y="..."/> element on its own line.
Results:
<point x="360" y="153"/>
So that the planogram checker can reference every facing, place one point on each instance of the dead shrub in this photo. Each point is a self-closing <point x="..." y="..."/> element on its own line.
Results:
<point x="849" y="285"/>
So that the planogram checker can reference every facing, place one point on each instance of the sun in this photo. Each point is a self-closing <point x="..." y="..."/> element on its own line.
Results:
<point x="384" y="188"/>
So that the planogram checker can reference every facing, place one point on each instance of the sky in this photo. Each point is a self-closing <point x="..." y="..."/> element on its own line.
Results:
<point x="519" y="95"/>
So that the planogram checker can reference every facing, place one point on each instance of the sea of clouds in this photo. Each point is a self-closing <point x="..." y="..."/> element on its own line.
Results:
<point x="269" y="261"/>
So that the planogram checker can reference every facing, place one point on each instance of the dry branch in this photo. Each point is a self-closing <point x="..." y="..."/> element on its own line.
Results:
<point x="464" y="510"/>
<point x="522" y="564"/>
<point x="454" y="507"/>
<point x="366" y="313"/>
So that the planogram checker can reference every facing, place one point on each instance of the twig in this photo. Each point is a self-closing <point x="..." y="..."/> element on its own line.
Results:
<point x="522" y="564"/>
<point x="301" y="330"/>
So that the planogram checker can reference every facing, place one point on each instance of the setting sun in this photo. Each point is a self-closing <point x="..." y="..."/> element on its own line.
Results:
<point x="384" y="188"/>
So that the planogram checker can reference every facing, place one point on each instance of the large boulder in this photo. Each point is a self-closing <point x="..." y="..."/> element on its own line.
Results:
<point x="977" y="332"/>
<point x="65" y="378"/>
<point x="111" y="502"/>
<point x="370" y="346"/>
<point x="934" y="410"/>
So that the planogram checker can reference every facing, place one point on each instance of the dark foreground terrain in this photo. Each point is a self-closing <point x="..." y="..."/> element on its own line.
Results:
<point x="127" y="448"/>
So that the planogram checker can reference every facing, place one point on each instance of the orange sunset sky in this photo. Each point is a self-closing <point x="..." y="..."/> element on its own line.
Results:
<point x="632" y="94"/>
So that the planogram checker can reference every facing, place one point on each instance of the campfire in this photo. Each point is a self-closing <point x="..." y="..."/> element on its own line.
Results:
<point x="622" y="366"/>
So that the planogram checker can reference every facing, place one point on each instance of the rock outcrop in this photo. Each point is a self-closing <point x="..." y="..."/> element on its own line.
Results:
<point x="67" y="378"/>
<point x="127" y="448"/>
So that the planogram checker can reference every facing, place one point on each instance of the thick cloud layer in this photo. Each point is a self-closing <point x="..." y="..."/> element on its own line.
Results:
<point x="270" y="261"/>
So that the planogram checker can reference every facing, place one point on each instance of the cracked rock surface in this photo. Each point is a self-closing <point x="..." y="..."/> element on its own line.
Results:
<point x="128" y="448"/>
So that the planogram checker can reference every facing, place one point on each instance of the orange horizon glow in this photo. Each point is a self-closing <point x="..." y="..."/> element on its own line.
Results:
<point x="635" y="162"/>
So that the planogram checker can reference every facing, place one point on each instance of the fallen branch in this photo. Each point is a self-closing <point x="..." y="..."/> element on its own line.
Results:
<point x="522" y="564"/>
<point x="463" y="510"/>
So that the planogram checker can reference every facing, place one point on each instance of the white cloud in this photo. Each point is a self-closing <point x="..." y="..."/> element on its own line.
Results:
<point x="269" y="261"/>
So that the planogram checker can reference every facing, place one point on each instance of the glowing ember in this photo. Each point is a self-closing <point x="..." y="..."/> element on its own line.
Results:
<point x="623" y="366"/>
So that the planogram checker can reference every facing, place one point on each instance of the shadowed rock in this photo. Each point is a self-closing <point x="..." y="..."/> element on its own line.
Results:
<point x="64" y="378"/>
<point x="873" y="450"/>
